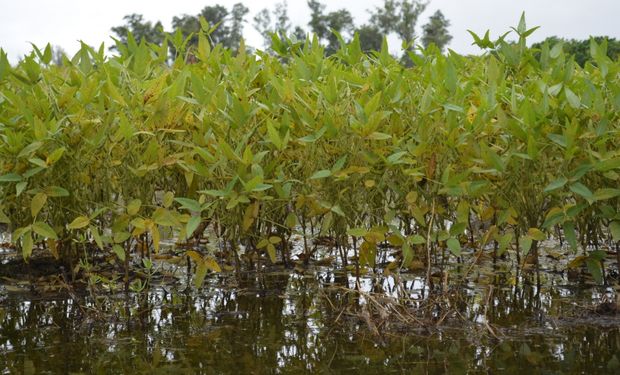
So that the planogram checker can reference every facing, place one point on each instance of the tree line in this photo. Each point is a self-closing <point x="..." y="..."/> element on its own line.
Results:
<point x="393" y="17"/>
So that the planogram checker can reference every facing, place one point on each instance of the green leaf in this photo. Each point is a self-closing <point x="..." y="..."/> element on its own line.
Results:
<point x="56" y="191"/>
<point x="201" y="274"/>
<point x="614" y="228"/>
<point x="417" y="240"/>
<point x="321" y="174"/>
<point x="537" y="234"/>
<point x="79" y="222"/>
<point x="10" y="177"/>
<point x="595" y="269"/>
<point x="570" y="234"/>
<point x="19" y="187"/>
<point x="526" y="244"/>
<point x="378" y="136"/>
<point x="37" y="203"/>
<point x="453" y="107"/>
<point x="455" y="246"/>
<point x="3" y="218"/>
<point x="572" y="98"/>
<point x="192" y="225"/>
<point x="96" y="237"/>
<point x="604" y="194"/>
<point x="164" y="217"/>
<point x="581" y="189"/>
<point x="44" y="230"/>
<point x="134" y="206"/>
<point x="357" y="232"/>
<point x="55" y="156"/>
<point x="168" y="199"/>
<point x="274" y="137"/>
<point x="120" y="237"/>
<point x="119" y="251"/>
<point x="271" y="250"/>
<point x="27" y="246"/>
<point x="189" y="204"/>
<point x="337" y="210"/>
<point x="560" y="182"/>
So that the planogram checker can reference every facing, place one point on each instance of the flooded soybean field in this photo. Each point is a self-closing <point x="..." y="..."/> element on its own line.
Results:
<point x="313" y="320"/>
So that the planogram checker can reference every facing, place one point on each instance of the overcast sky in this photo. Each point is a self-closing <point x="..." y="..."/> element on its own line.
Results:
<point x="64" y="22"/>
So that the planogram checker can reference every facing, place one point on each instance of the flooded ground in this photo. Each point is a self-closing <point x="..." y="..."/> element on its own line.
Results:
<point x="287" y="321"/>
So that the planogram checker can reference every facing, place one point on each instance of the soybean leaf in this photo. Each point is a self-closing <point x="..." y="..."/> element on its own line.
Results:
<point x="454" y="246"/>
<point x="560" y="182"/>
<point x="79" y="222"/>
<point x="44" y="230"/>
<point x="37" y="203"/>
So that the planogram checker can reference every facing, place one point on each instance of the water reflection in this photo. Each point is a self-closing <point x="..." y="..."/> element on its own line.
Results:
<point x="290" y="323"/>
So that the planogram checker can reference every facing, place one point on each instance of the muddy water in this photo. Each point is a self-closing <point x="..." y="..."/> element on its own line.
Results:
<point x="285" y="322"/>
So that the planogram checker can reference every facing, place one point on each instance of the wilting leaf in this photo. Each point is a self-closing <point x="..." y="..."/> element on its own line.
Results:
<point x="212" y="264"/>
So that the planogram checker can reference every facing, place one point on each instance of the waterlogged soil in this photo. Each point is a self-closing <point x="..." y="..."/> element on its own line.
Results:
<point x="498" y="319"/>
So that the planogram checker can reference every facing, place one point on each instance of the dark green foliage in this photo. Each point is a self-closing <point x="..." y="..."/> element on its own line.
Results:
<point x="140" y="29"/>
<point x="580" y="49"/>
<point x="436" y="31"/>
<point x="370" y="37"/>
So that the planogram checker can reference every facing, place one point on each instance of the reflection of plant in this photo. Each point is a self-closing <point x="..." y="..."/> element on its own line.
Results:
<point x="498" y="151"/>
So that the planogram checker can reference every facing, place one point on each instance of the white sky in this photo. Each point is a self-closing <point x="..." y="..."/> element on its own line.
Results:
<point x="64" y="22"/>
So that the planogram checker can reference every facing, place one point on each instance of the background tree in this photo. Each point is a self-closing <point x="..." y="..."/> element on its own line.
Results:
<point x="238" y="13"/>
<point x="581" y="48"/>
<point x="322" y="24"/>
<point x="140" y="29"/>
<point x="371" y="38"/>
<point x="399" y="17"/>
<point x="436" y="31"/>
<point x="281" y="22"/>
<point x="58" y="55"/>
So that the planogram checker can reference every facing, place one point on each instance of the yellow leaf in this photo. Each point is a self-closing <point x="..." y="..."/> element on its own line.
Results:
<point x="53" y="248"/>
<point x="134" y="206"/>
<point x="411" y="197"/>
<point x="168" y="199"/>
<point x="271" y="250"/>
<point x="536" y="234"/>
<point x="194" y="255"/>
<point x="156" y="238"/>
<point x="38" y="201"/>
<point x="212" y="265"/>
<point x="27" y="246"/>
<point x="79" y="222"/>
